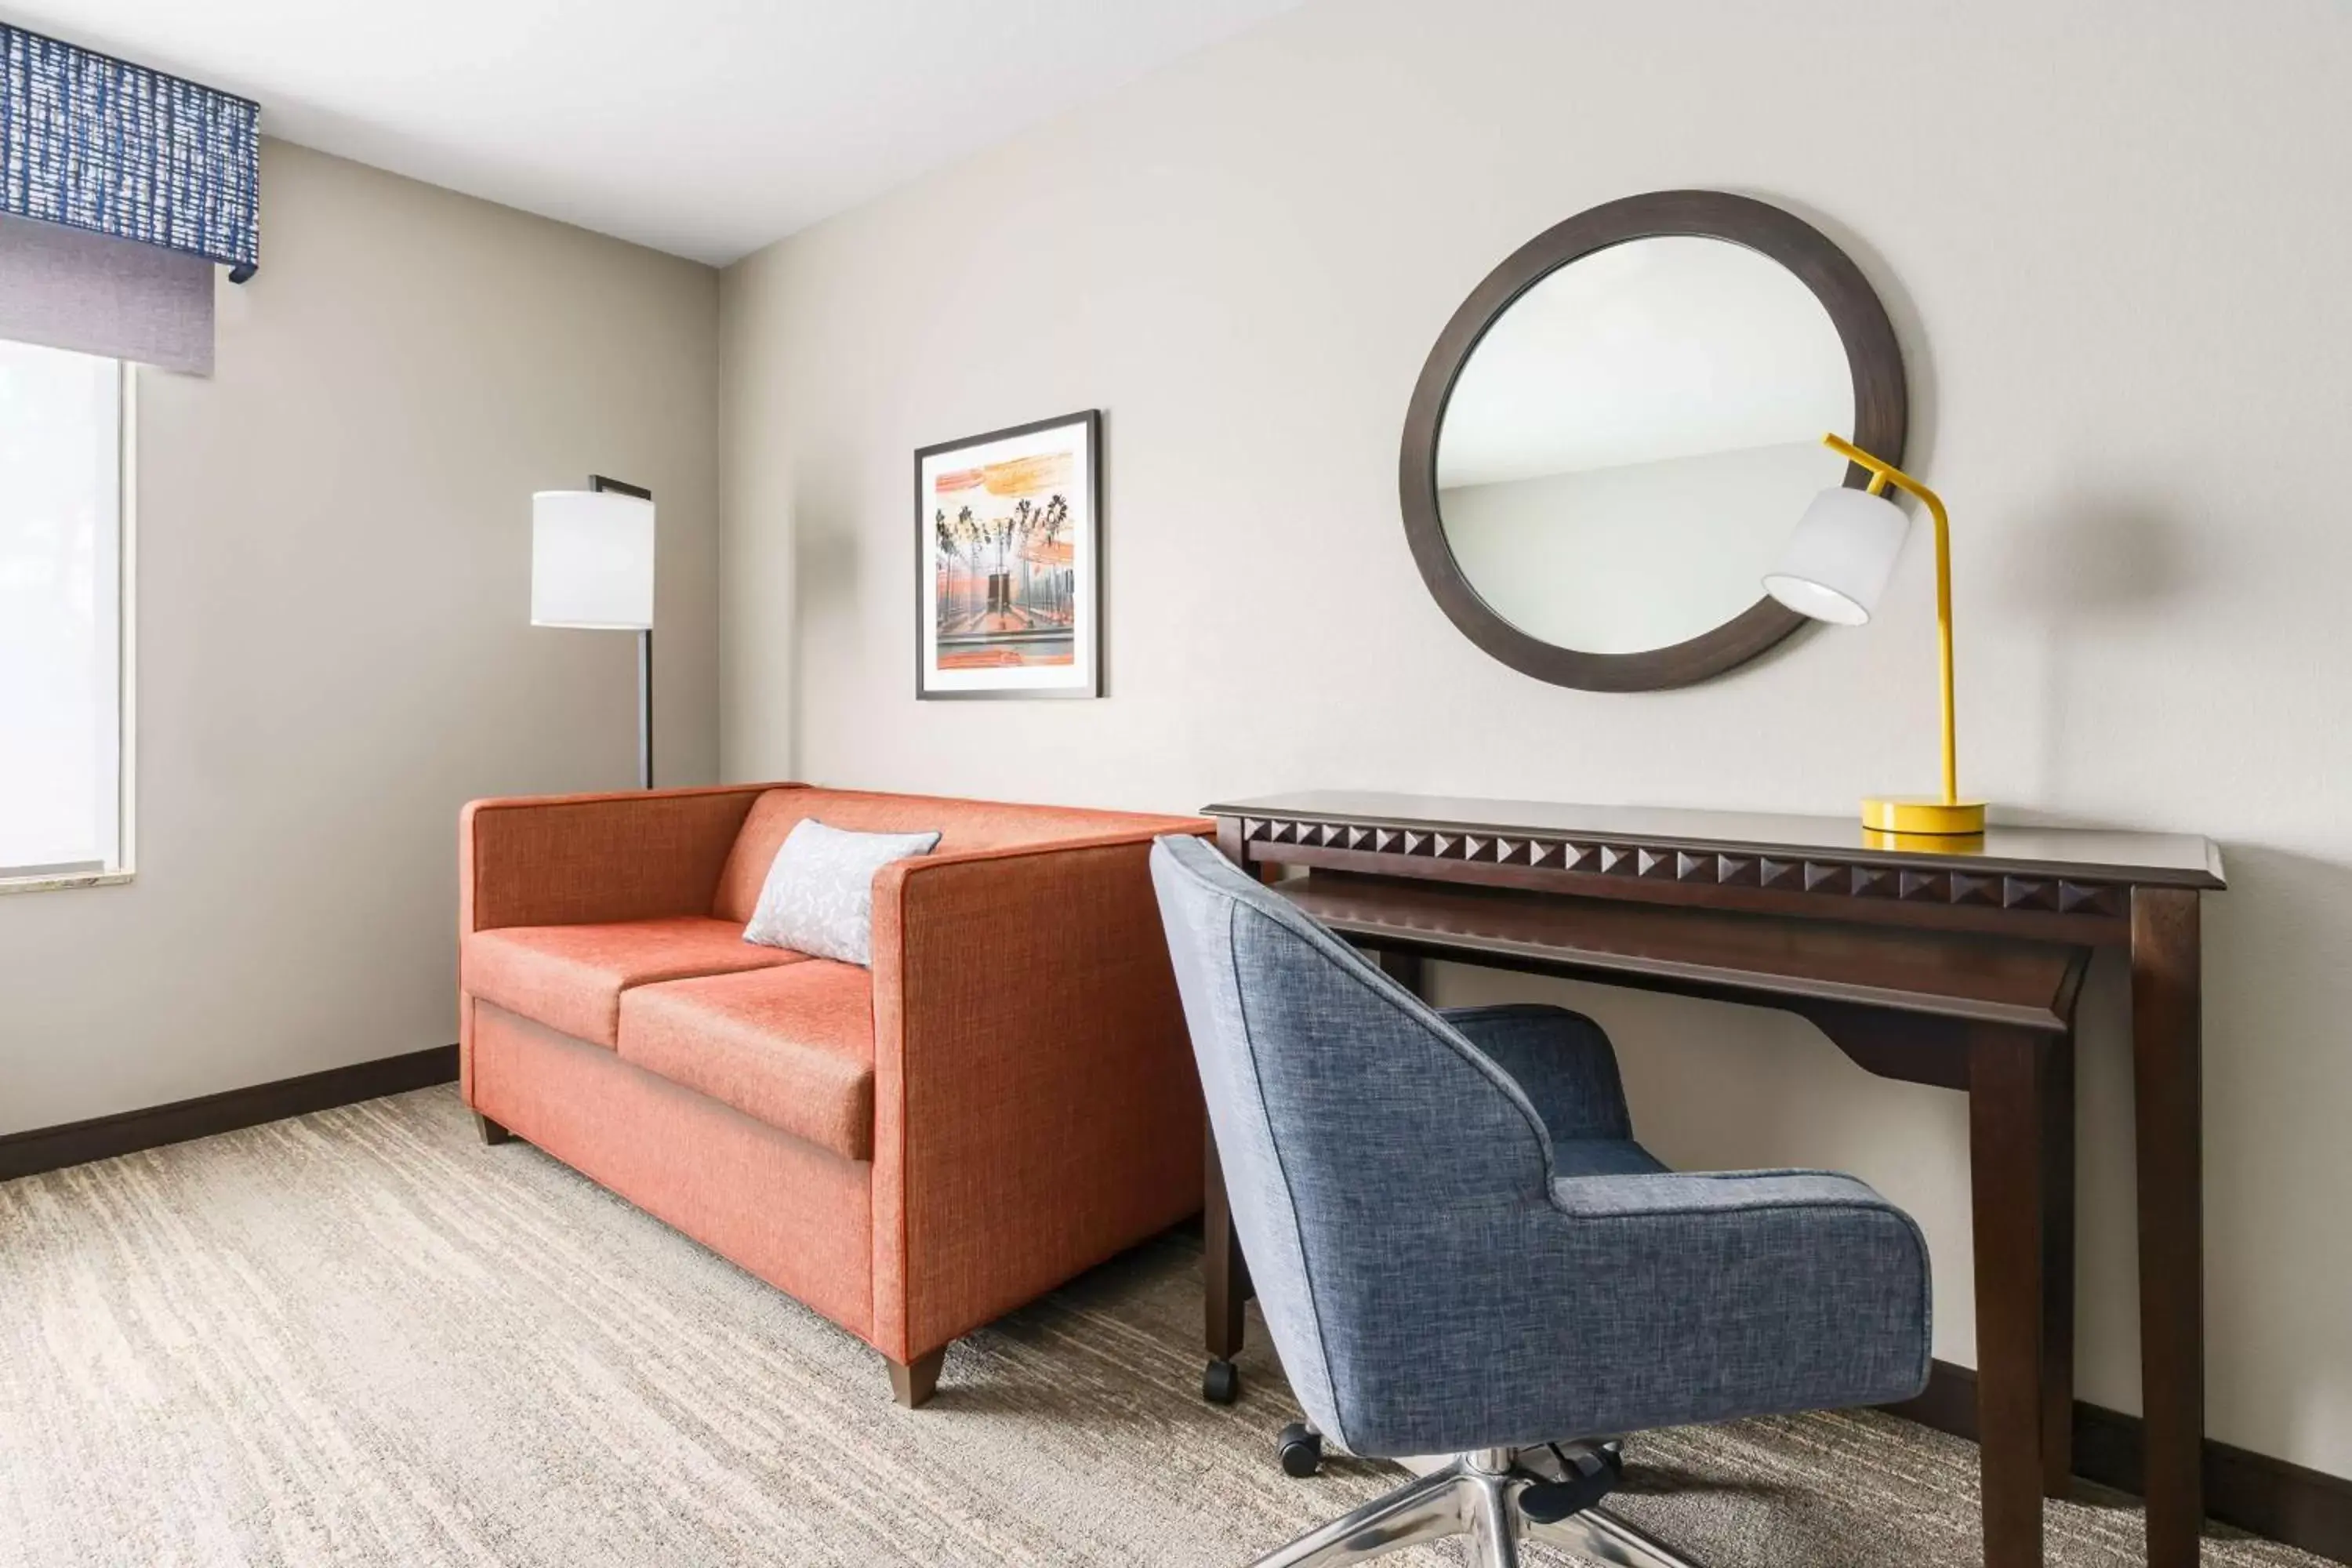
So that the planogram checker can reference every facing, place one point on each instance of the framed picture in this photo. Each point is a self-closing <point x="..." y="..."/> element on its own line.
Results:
<point x="1008" y="562"/>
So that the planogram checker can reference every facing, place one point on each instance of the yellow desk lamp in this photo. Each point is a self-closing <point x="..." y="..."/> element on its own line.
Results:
<point x="1835" y="566"/>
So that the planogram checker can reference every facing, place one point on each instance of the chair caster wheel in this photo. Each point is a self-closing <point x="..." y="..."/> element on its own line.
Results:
<point x="1222" y="1384"/>
<point x="1302" y="1449"/>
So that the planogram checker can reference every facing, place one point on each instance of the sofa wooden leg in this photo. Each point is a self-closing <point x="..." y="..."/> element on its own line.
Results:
<point x="915" y="1381"/>
<point x="492" y="1131"/>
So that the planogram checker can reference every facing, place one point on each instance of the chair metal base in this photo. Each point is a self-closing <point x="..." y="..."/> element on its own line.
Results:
<point x="1477" y="1495"/>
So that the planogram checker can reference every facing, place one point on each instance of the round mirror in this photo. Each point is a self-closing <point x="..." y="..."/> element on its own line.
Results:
<point x="1617" y="433"/>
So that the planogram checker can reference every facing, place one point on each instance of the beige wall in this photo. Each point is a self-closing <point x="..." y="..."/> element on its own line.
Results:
<point x="2115" y="239"/>
<point x="333" y="649"/>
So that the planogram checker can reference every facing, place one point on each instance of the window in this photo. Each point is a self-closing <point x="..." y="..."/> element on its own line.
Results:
<point x="63" y="784"/>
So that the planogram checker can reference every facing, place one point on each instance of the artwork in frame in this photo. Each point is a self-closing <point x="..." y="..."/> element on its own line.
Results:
<point x="1008" y="550"/>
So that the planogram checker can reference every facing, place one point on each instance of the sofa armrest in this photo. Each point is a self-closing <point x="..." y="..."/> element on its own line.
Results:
<point x="1036" y="1108"/>
<point x="574" y="858"/>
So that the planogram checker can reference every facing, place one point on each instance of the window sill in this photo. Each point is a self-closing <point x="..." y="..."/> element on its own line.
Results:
<point x="60" y="882"/>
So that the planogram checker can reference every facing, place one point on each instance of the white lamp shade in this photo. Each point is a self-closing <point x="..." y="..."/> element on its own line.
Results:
<point x="591" y="560"/>
<point x="1837" y="562"/>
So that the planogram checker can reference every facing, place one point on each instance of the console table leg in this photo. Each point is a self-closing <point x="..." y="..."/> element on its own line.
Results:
<point x="1406" y="969"/>
<point x="2168" y="1010"/>
<point x="2058" y="1273"/>
<point x="2009" y="1082"/>
<point x="1225" y="1274"/>
<point x="1222" y="1270"/>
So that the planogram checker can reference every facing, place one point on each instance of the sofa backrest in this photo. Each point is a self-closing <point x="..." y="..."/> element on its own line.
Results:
<point x="962" y="824"/>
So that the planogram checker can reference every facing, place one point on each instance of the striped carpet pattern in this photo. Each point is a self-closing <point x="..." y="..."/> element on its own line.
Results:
<point x="362" y="1338"/>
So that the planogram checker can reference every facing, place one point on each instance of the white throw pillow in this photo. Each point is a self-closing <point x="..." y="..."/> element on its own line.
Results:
<point x="819" y="895"/>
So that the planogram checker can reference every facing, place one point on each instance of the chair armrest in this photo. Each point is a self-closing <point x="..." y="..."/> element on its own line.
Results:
<point x="1636" y="1302"/>
<point x="1562" y="1060"/>
<point x="1702" y="1194"/>
<point x="1036" y="1108"/>
<point x="572" y="859"/>
<point x="1788" y="1289"/>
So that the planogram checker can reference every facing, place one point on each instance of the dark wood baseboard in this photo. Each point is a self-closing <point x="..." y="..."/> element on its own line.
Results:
<point x="2272" y="1498"/>
<point x="127" y="1131"/>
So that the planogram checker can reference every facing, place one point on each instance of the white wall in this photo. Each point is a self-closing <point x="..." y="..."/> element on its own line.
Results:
<point x="2115" y="239"/>
<point x="334" y="654"/>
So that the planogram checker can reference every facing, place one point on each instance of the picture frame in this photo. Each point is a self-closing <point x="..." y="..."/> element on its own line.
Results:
<point x="1008" y="562"/>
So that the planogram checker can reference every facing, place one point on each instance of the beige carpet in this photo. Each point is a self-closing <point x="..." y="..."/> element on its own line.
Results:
<point x="362" y="1338"/>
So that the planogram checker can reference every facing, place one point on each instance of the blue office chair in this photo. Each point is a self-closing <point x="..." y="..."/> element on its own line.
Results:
<point x="1461" y="1250"/>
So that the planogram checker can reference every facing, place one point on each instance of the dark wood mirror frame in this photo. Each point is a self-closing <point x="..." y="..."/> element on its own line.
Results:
<point x="1881" y="412"/>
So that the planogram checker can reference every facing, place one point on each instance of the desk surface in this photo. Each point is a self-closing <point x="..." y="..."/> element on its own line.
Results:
<point x="2153" y="860"/>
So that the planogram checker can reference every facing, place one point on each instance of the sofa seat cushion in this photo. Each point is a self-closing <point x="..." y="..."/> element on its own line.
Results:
<point x="571" y="977"/>
<point x="792" y="1046"/>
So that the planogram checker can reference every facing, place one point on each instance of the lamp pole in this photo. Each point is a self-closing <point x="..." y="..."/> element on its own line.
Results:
<point x="598" y="482"/>
<point x="1835" y="568"/>
<point x="1883" y="474"/>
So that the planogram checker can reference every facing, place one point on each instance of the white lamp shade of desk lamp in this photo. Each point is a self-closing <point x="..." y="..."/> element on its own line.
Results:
<point x="591" y="560"/>
<point x="1837" y="562"/>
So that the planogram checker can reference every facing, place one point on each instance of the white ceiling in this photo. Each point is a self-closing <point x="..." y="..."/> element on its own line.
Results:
<point x="706" y="128"/>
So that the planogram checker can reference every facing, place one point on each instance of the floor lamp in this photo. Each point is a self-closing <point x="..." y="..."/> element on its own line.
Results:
<point x="592" y="568"/>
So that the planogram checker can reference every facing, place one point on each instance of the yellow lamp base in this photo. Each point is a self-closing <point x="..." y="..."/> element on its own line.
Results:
<point x="1919" y="815"/>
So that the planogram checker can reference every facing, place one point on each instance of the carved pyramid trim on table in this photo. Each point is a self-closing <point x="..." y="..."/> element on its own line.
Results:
<point x="1820" y="876"/>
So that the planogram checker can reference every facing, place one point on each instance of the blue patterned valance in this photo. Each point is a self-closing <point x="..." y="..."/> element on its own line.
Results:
<point x="95" y="143"/>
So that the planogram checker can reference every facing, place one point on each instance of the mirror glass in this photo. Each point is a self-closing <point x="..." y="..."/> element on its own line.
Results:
<point x="1627" y="448"/>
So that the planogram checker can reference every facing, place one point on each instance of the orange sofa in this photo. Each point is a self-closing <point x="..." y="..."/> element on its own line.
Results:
<point x="1006" y="1099"/>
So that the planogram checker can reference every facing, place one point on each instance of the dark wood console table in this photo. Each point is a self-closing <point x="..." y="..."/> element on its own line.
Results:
<point x="1949" y="963"/>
